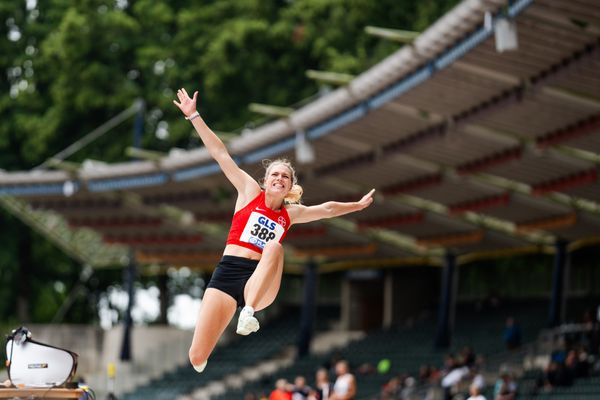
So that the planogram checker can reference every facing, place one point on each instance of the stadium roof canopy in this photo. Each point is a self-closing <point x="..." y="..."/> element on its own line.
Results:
<point x="471" y="150"/>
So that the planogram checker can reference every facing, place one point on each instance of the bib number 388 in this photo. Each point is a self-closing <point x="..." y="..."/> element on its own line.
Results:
<point x="260" y="229"/>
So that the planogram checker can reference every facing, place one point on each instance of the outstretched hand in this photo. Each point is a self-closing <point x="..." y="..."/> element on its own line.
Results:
<point x="366" y="200"/>
<point x="186" y="104"/>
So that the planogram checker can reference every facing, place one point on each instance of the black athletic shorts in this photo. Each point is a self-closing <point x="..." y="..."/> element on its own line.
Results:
<point x="231" y="276"/>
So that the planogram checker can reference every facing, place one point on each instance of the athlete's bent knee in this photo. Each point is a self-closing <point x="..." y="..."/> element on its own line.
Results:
<point x="273" y="247"/>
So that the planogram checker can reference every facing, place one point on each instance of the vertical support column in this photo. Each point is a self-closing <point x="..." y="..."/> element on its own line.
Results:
<point x="163" y="287"/>
<point x="130" y="272"/>
<point x="25" y="273"/>
<point x="447" y="303"/>
<point x="388" y="299"/>
<point x="307" y="317"/>
<point x="556" y="313"/>
<point x="129" y="279"/>
<point x="346" y="303"/>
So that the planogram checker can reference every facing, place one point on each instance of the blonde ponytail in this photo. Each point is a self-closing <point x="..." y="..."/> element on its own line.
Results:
<point x="294" y="195"/>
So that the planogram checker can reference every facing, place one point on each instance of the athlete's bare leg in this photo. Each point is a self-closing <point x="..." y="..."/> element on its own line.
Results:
<point x="263" y="286"/>
<point x="216" y="311"/>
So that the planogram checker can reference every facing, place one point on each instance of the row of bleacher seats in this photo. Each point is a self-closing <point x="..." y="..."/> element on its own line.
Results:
<point x="410" y="347"/>
<point x="582" y="389"/>
<point x="225" y="360"/>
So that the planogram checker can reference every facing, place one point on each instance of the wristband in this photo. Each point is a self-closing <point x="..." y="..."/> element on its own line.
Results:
<point x="196" y="114"/>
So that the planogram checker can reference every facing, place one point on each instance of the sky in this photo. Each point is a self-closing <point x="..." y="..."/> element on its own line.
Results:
<point x="182" y="313"/>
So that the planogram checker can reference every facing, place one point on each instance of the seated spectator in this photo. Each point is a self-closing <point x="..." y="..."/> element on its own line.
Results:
<point x="452" y="379"/>
<point x="468" y="356"/>
<point x="512" y="334"/>
<point x="300" y="390"/>
<point x="475" y="393"/>
<point x="435" y="374"/>
<point x="505" y="388"/>
<point x="409" y="387"/>
<point x="557" y="375"/>
<point x="281" y="391"/>
<point x="424" y="374"/>
<point x="365" y="369"/>
<point x="450" y="363"/>
<point x="478" y="378"/>
<point x="313" y="395"/>
<point x="344" y="387"/>
<point x="322" y="385"/>
<point x="584" y="364"/>
<point x="391" y="389"/>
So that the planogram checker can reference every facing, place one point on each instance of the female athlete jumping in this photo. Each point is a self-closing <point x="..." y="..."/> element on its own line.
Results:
<point x="249" y="274"/>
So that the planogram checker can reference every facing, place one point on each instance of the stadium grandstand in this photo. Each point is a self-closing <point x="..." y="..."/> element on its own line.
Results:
<point x="482" y="139"/>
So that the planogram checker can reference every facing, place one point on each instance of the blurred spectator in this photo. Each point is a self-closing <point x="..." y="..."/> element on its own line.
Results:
<point x="424" y="374"/>
<point x="250" y="396"/>
<point x="365" y="369"/>
<point x="478" y="378"/>
<point x="450" y="363"/>
<point x="408" y="388"/>
<point x="323" y="387"/>
<point x="468" y="356"/>
<point x="475" y="393"/>
<point x="300" y="390"/>
<point x="557" y="375"/>
<point x="452" y="379"/>
<point x="313" y="395"/>
<point x="391" y="389"/>
<point x="512" y="334"/>
<point x="344" y="387"/>
<point x="281" y="391"/>
<point x="505" y="388"/>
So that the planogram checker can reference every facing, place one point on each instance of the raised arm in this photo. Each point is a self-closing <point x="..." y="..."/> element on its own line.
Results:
<point x="246" y="186"/>
<point x="300" y="214"/>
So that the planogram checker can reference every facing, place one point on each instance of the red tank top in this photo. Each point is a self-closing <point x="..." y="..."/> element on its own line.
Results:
<point x="256" y="224"/>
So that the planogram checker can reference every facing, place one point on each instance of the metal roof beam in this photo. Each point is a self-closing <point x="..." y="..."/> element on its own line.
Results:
<point x="176" y="216"/>
<point x="67" y="166"/>
<point x="481" y="220"/>
<point x="486" y="73"/>
<point x="560" y="20"/>
<point x="477" y="219"/>
<point x="578" y="99"/>
<point x="334" y="78"/>
<point x="414" y="112"/>
<point x="84" y="245"/>
<point x="573" y="202"/>
<point x="530" y="145"/>
<point x="386" y="236"/>
<point x="150" y="155"/>
<point x="270" y="110"/>
<point x="395" y="35"/>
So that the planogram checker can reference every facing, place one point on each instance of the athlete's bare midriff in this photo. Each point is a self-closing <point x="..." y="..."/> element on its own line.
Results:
<point x="239" y="251"/>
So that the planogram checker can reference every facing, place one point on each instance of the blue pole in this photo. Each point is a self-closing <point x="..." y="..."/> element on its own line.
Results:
<point x="444" y="326"/>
